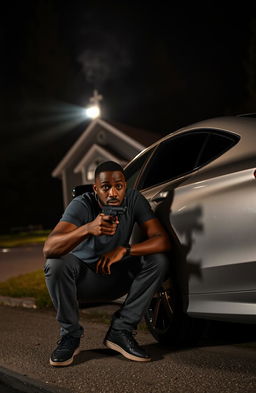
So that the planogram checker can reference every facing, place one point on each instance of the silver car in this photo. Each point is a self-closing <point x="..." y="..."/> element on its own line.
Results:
<point x="200" y="181"/>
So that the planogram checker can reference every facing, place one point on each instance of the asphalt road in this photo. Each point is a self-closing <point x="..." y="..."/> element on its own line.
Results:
<point x="20" y="260"/>
<point x="224" y="361"/>
<point x="222" y="364"/>
<point x="7" y="389"/>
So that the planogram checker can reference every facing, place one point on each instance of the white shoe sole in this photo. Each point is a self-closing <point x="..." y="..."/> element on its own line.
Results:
<point x="67" y="362"/>
<point x="127" y="355"/>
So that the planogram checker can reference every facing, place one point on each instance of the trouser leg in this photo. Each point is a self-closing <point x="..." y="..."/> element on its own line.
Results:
<point x="61" y="275"/>
<point x="153" y="270"/>
<point x="69" y="279"/>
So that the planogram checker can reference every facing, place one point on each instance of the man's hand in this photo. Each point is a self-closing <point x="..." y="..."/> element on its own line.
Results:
<point x="66" y="236"/>
<point x="104" y="263"/>
<point x="103" y="225"/>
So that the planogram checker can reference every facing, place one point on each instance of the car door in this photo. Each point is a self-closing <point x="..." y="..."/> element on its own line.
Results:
<point x="187" y="206"/>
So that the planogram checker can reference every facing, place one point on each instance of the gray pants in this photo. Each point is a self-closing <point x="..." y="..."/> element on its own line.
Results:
<point x="70" y="281"/>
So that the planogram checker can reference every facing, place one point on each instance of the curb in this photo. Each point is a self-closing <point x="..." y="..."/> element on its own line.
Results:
<point x="26" y="302"/>
<point x="29" y="302"/>
<point x="24" y="384"/>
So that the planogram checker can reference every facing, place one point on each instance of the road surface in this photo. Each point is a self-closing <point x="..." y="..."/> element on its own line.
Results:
<point x="20" y="260"/>
<point x="225" y="364"/>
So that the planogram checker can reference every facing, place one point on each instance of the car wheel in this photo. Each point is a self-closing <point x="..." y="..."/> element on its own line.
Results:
<point x="166" y="321"/>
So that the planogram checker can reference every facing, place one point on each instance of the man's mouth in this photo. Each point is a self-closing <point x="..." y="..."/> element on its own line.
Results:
<point x="113" y="202"/>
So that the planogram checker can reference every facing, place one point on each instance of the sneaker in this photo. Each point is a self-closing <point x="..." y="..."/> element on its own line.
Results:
<point x="68" y="347"/>
<point x="123" y="341"/>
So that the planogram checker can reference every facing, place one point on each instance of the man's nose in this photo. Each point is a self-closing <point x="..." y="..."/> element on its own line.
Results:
<point x="112" y="191"/>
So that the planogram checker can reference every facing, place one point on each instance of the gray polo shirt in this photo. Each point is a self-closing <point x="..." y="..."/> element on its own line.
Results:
<point x="85" y="208"/>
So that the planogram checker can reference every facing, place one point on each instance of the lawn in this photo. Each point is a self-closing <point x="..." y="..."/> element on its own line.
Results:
<point x="23" y="238"/>
<point x="27" y="285"/>
<point x="33" y="285"/>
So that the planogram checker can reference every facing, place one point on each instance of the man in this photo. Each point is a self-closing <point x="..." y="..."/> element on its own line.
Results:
<point x="89" y="258"/>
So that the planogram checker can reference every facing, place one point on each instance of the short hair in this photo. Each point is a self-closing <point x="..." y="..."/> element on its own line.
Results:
<point x="108" y="166"/>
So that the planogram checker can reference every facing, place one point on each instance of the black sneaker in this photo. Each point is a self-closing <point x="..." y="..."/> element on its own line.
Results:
<point x="68" y="347"/>
<point x="123" y="342"/>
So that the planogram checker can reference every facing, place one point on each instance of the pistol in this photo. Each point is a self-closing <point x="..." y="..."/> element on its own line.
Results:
<point x="113" y="211"/>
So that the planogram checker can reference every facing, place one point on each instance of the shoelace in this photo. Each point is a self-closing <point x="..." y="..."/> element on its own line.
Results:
<point x="66" y="342"/>
<point x="130" y="336"/>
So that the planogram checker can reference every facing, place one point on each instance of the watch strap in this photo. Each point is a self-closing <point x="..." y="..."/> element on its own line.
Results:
<point x="128" y="250"/>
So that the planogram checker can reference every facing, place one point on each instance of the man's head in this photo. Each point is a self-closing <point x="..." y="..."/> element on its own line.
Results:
<point x="110" y="184"/>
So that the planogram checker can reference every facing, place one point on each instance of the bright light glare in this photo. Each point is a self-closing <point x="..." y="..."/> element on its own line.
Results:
<point x="92" y="111"/>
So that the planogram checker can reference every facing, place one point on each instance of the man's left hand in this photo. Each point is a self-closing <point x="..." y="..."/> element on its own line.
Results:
<point x="104" y="263"/>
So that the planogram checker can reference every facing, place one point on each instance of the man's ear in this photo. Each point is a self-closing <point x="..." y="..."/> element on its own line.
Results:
<point x="94" y="188"/>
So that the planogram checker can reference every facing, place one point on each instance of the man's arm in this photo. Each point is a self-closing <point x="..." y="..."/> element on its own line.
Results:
<point x="157" y="241"/>
<point x="66" y="236"/>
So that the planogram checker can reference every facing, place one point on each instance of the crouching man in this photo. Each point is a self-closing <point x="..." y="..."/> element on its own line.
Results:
<point x="89" y="258"/>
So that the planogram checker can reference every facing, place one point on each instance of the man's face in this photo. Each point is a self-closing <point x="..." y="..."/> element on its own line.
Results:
<point x="110" y="188"/>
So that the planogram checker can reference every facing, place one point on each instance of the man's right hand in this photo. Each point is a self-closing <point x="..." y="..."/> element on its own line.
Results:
<point x="102" y="225"/>
<point x="65" y="236"/>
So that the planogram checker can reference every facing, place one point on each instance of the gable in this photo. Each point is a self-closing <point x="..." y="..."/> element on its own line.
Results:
<point x="104" y="135"/>
<point x="95" y="156"/>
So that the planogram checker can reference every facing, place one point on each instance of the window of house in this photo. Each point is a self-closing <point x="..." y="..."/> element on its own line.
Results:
<point x="182" y="154"/>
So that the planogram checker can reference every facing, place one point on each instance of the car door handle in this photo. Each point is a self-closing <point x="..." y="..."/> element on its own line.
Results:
<point x="161" y="196"/>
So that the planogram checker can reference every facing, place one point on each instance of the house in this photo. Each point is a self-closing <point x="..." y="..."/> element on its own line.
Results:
<point x="101" y="141"/>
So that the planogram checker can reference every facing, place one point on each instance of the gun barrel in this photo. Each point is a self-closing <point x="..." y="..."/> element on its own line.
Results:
<point x="113" y="210"/>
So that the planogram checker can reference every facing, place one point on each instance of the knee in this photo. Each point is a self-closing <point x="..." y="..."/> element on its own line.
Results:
<point x="53" y="267"/>
<point x="159" y="262"/>
<point x="58" y="267"/>
<point x="64" y="266"/>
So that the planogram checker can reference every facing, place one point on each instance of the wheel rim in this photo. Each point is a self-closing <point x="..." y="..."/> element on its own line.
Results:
<point x="161" y="312"/>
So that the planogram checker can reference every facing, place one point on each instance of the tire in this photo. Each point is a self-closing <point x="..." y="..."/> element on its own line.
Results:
<point x="166" y="321"/>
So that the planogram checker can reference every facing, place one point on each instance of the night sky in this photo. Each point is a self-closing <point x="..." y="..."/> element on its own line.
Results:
<point x="157" y="69"/>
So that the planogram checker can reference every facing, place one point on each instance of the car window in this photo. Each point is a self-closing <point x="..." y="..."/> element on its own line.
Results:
<point x="174" y="157"/>
<point x="133" y="170"/>
<point x="217" y="144"/>
<point x="182" y="154"/>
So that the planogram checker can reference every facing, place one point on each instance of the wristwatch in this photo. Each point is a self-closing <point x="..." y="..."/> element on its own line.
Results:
<point x="128" y="250"/>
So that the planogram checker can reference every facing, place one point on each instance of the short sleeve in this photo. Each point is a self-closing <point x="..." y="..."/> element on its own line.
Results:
<point x="77" y="212"/>
<point x="142" y="209"/>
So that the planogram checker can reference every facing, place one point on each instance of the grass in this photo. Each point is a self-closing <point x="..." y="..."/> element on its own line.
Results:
<point x="33" y="285"/>
<point x="27" y="285"/>
<point x="23" y="238"/>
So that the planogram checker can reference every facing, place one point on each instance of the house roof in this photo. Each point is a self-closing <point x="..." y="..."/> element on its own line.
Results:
<point x="138" y="139"/>
<point x="143" y="136"/>
<point x="87" y="157"/>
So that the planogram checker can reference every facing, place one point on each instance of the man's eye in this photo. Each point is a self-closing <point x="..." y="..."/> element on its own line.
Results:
<point x="119" y="186"/>
<point x="105" y="188"/>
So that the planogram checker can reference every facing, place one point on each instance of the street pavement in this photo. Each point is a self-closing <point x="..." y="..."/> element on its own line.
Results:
<point x="28" y="337"/>
<point x="20" y="260"/>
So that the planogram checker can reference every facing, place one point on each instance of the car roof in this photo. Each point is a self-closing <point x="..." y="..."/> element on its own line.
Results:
<point x="244" y="127"/>
<point x="234" y="124"/>
<point x="241" y="126"/>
